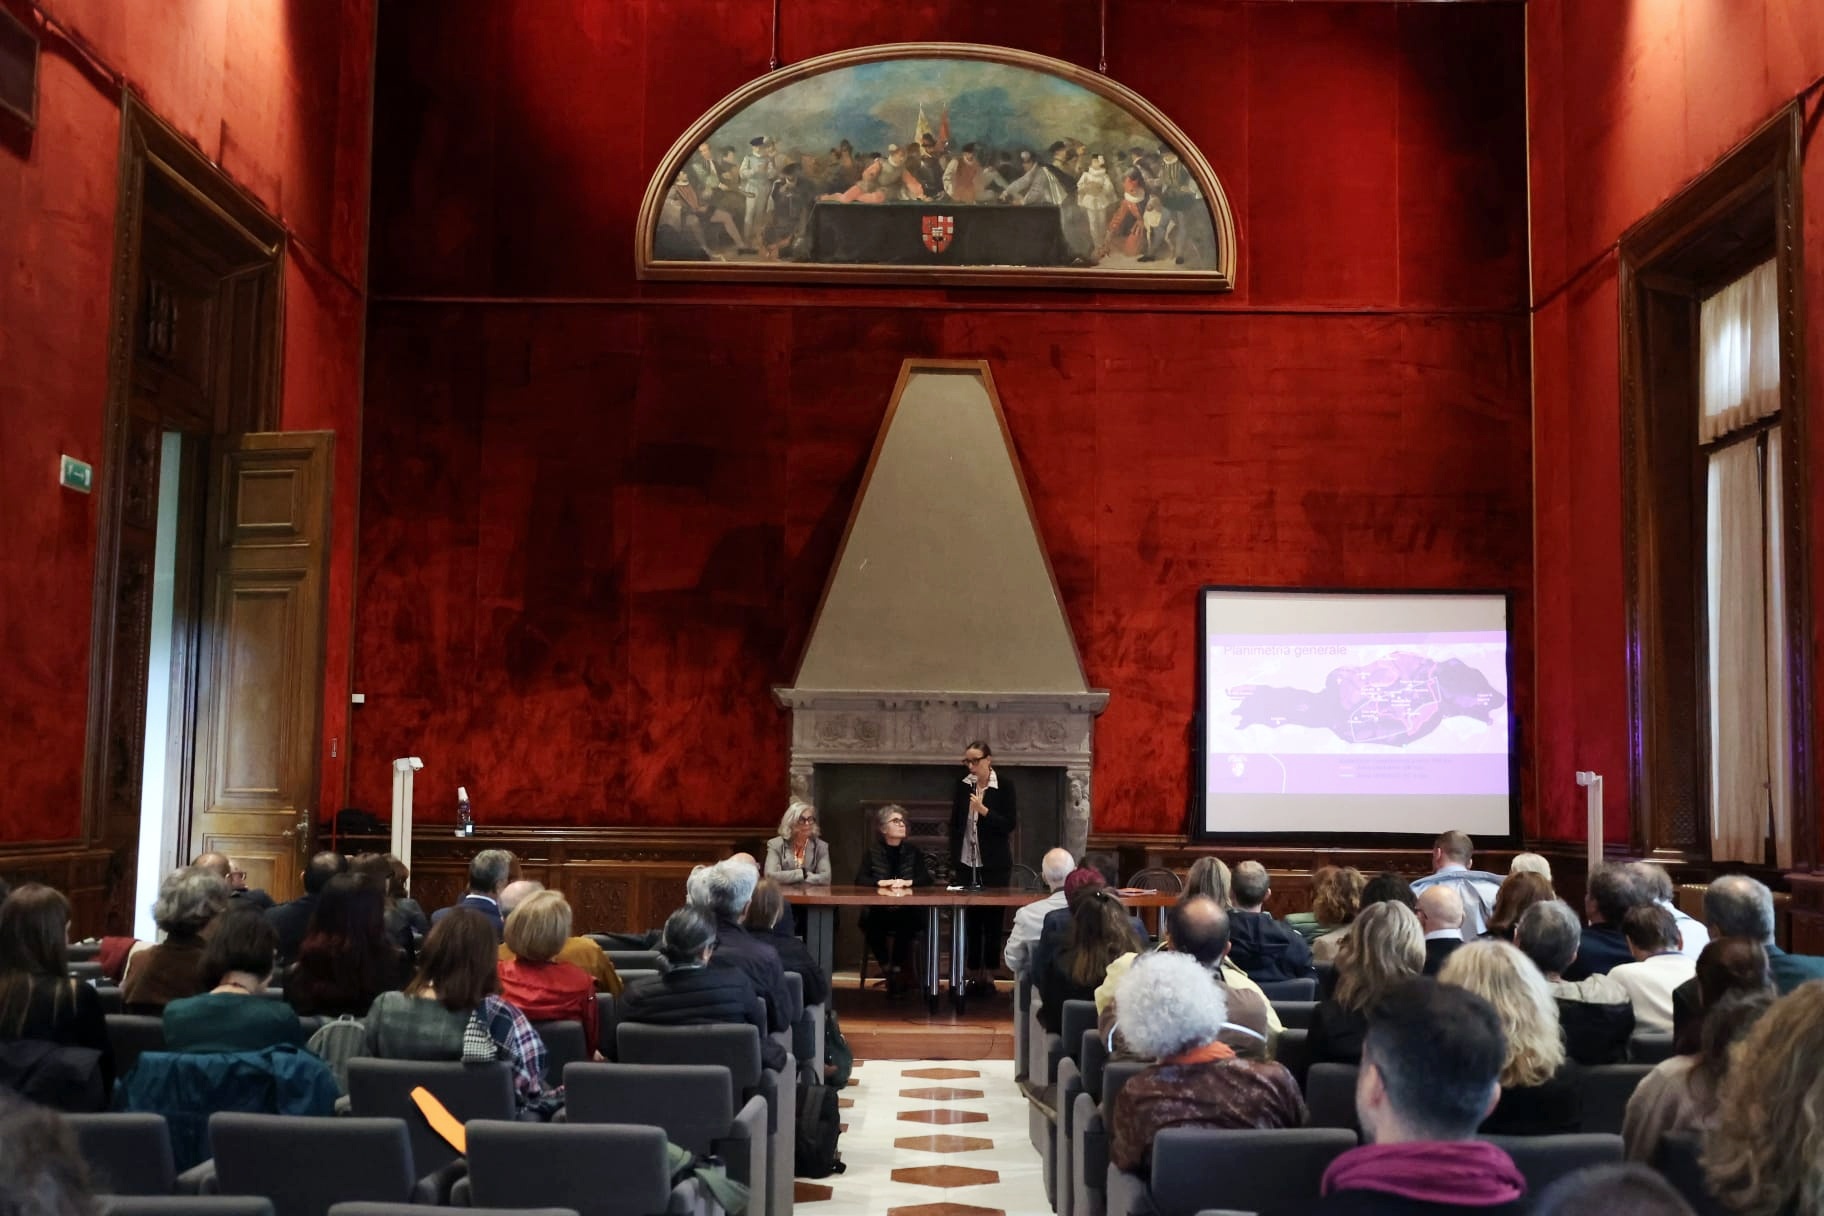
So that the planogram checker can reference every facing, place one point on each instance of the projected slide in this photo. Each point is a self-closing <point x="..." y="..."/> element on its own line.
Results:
<point x="1355" y="713"/>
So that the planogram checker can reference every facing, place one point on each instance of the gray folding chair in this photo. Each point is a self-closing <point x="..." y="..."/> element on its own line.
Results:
<point x="736" y="1048"/>
<point x="85" y="970"/>
<point x="110" y="998"/>
<point x="126" y="1154"/>
<point x="1269" y="1172"/>
<point x="1290" y="990"/>
<point x="1056" y="1168"/>
<point x="636" y="975"/>
<point x="636" y="960"/>
<point x="1330" y="1096"/>
<point x="1678" y="1159"/>
<point x="603" y="1169"/>
<point x="1091" y="1060"/>
<point x="1295" y="1015"/>
<point x="305" y="1164"/>
<point x="193" y="1205"/>
<point x="1649" y="1047"/>
<point x="1089" y="1139"/>
<point x="1545" y="1159"/>
<point x="1046" y="1122"/>
<point x="565" y="1044"/>
<point x="1022" y="1012"/>
<point x="1604" y="1090"/>
<point x="604" y="1012"/>
<point x="132" y="1035"/>
<point x="694" y="1103"/>
<point x="1292" y="1047"/>
<point x="383" y="1089"/>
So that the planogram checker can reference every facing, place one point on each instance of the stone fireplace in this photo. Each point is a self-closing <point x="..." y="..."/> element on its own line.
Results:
<point x="941" y="622"/>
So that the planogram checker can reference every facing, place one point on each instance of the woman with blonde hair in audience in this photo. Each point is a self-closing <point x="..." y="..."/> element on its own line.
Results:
<point x="1336" y="900"/>
<point x="188" y="901"/>
<point x="1519" y="892"/>
<point x="1764" y="1153"/>
<point x="1208" y="876"/>
<point x="1385" y="948"/>
<point x="534" y="981"/>
<point x="1530" y="863"/>
<point x="1538" y="1089"/>
<point x="38" y="999"/>
<point x="1172" y="1011"/>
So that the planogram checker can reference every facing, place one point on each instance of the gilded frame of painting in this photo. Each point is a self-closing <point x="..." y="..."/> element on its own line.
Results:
<point x="651" y="264"/>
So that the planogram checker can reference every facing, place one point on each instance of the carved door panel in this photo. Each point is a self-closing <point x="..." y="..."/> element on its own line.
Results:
<point x="260" y="680"/>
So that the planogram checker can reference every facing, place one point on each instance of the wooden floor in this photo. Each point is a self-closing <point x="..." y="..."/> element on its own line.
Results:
<point x="901" y="1028"/>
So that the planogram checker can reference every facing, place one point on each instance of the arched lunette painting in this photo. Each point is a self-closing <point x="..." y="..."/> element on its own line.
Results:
<point x="938" y="162"/>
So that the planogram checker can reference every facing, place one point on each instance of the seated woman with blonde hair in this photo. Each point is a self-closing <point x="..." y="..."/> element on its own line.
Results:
<point x="1538" y="1083"/>
<point x="1173" y="1010"/>
<point x="534" y="981"/>
<point x="1385" y="948"/>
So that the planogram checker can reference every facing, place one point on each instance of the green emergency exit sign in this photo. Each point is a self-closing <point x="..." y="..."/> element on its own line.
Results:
<point x="74" y="474"/>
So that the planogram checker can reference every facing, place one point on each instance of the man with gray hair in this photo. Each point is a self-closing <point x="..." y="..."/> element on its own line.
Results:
<point x="489" y="872"/>
<point x="1735" y="905"/>
<point x="238" y="890"/>
<point x="1657" y="884"/>
<point x="724" y="891"/>
<point x="1029" y="920"/>
<point x="1595" y="1012"/>
<point x="1258" y="944"/>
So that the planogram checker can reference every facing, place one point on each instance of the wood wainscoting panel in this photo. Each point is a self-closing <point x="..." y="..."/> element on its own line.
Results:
<point x="85" y="875"/>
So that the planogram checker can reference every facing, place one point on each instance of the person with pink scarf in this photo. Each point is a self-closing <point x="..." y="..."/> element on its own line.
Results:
<point x="1430" y="1074"/>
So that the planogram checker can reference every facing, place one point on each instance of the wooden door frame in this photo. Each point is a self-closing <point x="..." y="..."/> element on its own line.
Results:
<point x="245" y="397"/>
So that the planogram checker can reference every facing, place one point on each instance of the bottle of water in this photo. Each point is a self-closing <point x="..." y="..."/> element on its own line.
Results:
<point x="465" y="817"/>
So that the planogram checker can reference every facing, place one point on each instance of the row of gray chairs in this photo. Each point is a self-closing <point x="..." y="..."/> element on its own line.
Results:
<point x="1603" y="1091"/>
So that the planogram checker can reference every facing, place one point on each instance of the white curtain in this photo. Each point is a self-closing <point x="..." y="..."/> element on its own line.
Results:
<point x="1739" y="690"/>
<point x="1779" y="735"/>
<point x="1739" y="333"/>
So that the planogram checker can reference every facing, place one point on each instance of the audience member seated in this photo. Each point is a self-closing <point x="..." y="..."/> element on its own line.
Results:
<point x="1336" y="898"/>
<point x="1518" y="893"/>
<point x="1530" y="863"/>
<point x="1658" y="968"/>
<point x="1199" y="927"/>
<point x="1388" y="886"/>
<point x="1680" y="1094"/>
<point x="1692" y="934"/>
<point x="458" y="984"/>
<point x="188" y="900"/>
<point x="239" y="893"/>
<point x="1611" y="1190"/>
<point x="798" y="855"/>
<point x="42" y="1172"/>
<point x="1539" y="1094"/>
<point x="1174" y="1012"/>
<point x="1099" y="934"/>
<point x="1054" y="931"/>
<point x="1596" y="1013"/>
<point x="292" y="919"/>
<point x="1209" y="876"/>
<point x="1261" y="946"/>
<point x="693" y="993"/>
<point x="1764" y="1152"/>
<point x="767" y="921"/>
<point x="1441" y="917"/>
<point x="39" y="1002"/>
<point x="889" y="865"/>
<point x="1613" y="891"/>
<point x="1738" y="906"/>
<point x="489" y="871"/>
<point x="580" y="952"/>
<point x="1727" y="964"/>
<point x="1430" y="1074"/>
<point x="231" y="1013"/>
<point x="1476" y="890"/>
<point x="346" y="959"/>
<point x="1384" y="949"/>
<point x="724" y="890"/>
<point x="534" y="980"/>
<point x="395" y="919"/>
<point x="1029" y="920"/>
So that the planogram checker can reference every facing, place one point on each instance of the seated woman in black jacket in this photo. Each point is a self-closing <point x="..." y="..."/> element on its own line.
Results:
<point x="892" y="865"/>
<point x="1384" y="949"/>
<point x="766" y="920"/>
<point x="38" y="999"/>
<point x="692" y="993"/>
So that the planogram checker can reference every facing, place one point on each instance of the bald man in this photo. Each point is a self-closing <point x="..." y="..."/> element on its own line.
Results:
<point x="219" y="865"/>
<point x="1441" y="916"/>
<point x="580" y="952"/>
<point x="1030" y="920"/>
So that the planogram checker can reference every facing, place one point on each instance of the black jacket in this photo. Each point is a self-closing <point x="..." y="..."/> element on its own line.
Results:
<point x="1598" y="1034"/>
<point x="1336" y="1034"/>
<point x="880" y="863"/>
<point x="994" y="833"/>
<point x="1439" y="949"/>
<point x="759" y="962"/>
<point x="1266" y="949"/>
<point x="1551" y="1108"/>
<point x="794" y="955"/>
<point x="291" y="921"/>
<point x="1601" y="949"/>
<point x="487" y="905"/>
<point x="695" y="995"/>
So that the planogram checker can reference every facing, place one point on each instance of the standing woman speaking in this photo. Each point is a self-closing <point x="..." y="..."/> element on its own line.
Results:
<point x="982" y="819"/>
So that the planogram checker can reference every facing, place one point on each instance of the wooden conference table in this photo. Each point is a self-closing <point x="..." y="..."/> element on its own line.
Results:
<point x="821" y="903"/>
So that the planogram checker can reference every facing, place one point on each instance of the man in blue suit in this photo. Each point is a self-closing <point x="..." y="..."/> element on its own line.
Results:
<point x="488" y="873"/>
<point x="1735" y="905"/>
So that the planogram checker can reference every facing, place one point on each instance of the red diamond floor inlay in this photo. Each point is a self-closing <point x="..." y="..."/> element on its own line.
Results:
<point x="845" y="1103"/>
<point x="809" y="1192"/>
<point x="941" y="1074"/>
<point x="943" y="1115"/>
<point x="945" y="1176"/>
<point x="944" y="1143"/>
<point x="941" y="1093"/>
<point x="944" y="1209"/>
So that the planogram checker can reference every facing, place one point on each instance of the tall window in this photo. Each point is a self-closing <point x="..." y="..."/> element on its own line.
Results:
<point x="1739" y="436"/>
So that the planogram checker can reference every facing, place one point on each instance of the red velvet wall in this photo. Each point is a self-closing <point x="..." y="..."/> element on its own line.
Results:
<point x="279" y="96"/>
<point x="597" y="514"/>
<point x="1630" y="101"/>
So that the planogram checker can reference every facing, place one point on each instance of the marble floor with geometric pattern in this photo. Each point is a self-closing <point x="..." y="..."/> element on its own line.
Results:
<point x="932" y="1138"/>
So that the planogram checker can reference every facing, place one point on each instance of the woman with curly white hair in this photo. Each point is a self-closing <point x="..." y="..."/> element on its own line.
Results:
<point x="1172" y="1010"/>
<point x="1538" y="1083"/>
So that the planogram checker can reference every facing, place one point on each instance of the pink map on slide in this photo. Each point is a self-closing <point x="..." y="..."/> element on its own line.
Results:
<point x="1393" y="700"/>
